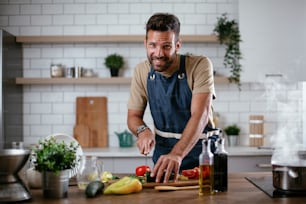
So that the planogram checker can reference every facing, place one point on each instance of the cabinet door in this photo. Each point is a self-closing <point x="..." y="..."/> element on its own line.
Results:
<point x="108" y="164"/>
<point x="129" y="164"/>
<point x="274" y="39"/>
<point x="249" y="163"/>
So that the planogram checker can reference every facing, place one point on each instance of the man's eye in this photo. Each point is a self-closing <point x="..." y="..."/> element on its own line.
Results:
<point x="167" y="47"/>
<point x="152" y="45"/>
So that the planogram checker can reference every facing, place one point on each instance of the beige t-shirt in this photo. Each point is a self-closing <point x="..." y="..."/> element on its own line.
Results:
<point x="200" y="78"/>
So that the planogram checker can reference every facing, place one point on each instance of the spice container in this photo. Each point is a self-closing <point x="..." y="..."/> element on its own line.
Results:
<point x="56" y="70"/>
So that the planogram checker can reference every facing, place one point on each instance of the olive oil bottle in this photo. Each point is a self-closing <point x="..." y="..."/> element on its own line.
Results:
<point x="206" y="177"/>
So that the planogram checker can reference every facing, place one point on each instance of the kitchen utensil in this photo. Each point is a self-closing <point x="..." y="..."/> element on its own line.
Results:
<point x="70" y="72"/>
<point x="91" y="129"/>
<point x="12" y="187"/>
<point x="91" y="169"/>
<point x="57" y="70"/>
<point x="81" y="133"/>
<point x="289" y="178"/>
<point x="175" y="188"/>
<point x="88" y="73"/>
<point x="192" y="182"/>
<point x="125" y="139"/>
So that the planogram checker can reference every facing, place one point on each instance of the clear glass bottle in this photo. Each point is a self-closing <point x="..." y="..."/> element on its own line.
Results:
<point x="206" y="177"/>
<point x="220" y="167"/>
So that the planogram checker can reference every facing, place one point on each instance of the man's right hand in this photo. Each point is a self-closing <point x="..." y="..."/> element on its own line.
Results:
<point x="145" y="141"/>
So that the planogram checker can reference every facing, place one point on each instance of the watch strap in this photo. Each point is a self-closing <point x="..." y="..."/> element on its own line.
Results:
<point x="140" y="129"/>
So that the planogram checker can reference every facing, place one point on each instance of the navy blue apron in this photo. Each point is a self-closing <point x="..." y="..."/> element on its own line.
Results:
<point x="170" y="102"/>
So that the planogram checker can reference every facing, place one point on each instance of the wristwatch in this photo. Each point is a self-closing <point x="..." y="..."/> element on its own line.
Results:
<point x="140" y="129"/>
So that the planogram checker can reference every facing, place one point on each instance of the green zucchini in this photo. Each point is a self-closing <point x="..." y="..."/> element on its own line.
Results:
<point x="94" y="188"/>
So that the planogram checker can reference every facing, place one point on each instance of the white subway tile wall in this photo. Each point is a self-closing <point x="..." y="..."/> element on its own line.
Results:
<point x="51" y="108"/>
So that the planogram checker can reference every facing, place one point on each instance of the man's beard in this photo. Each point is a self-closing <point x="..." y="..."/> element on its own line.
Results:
<point x="167" y="62"/>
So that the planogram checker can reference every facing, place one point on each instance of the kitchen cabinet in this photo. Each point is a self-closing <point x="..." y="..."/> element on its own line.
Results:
<point x="124" y="160"/>
<point x="124" y="165"/>
<point x="255" y="163"/>
<point x="235" y="163"/>
<point x="273" y="40"/>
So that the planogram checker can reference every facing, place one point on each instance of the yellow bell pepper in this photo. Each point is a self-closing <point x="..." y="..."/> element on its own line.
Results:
<point x="125" y="185"/>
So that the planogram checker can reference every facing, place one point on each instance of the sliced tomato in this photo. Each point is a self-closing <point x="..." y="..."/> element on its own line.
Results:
<point x="190" y="173"/>
<point x="141" y="170"/>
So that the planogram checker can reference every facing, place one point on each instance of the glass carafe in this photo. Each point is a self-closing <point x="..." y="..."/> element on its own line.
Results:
<point x="90" y="170"/>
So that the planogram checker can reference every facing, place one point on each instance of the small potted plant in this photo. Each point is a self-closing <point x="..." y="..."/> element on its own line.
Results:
<point x="55" y="160"/>
<point x="232" y="132"/>
<point x="114" y="62"/>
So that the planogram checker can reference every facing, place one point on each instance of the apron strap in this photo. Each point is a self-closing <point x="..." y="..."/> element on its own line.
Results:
<point x="178" y="135"/>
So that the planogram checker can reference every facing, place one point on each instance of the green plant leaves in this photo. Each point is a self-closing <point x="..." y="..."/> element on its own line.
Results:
<point x="114" y="61"/>
<point x="229" y="35"/>
<point x="55" y="156"/>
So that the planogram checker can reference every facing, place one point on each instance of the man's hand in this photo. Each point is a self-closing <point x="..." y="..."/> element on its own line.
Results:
<point x="167" y="164"/>
<point x="145" y="142"/>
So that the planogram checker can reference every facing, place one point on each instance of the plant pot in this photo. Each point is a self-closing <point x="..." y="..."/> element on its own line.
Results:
<point x="232" y="140"/>
<point x="55" y="186"/>
<point x="114" y="72"/>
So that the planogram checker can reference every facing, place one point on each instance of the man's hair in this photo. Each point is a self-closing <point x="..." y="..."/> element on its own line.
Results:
<point x="163" y="22"/>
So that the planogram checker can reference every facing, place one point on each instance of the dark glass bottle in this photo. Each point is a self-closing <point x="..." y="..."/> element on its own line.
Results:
<point x="220" y="163"/>
<point x="206" y="177"/>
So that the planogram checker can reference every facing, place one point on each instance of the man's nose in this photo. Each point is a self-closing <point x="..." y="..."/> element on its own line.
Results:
<point x="159" y="52"/>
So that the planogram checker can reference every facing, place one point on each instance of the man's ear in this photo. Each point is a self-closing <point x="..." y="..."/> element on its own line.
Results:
<point x="178" y="45"/>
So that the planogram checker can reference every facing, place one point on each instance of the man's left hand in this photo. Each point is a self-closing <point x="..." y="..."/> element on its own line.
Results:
<point x="167" y="164"/>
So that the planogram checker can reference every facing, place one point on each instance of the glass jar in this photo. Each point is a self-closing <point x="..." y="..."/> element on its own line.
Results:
<point x="90" y="170"/>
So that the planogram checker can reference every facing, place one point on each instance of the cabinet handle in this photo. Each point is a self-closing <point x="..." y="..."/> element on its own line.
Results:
<point x="274" y="75"/>
<point x="264" y="165"/>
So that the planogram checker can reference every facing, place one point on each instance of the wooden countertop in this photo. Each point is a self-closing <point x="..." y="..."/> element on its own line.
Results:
<point x="239" y="191"/>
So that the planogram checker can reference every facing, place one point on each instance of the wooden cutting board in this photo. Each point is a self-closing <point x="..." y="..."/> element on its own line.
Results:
<point x="91" y="128"/>
<point x="191" y="182"/>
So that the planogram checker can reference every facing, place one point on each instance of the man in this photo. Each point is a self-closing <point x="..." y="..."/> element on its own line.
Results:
<point x="179" y="90"/>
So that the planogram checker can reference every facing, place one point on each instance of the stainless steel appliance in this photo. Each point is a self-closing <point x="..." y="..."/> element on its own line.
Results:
<point x="10" y="93"/>
<point x="265" y="183"/>
<point x="12" y="187"/>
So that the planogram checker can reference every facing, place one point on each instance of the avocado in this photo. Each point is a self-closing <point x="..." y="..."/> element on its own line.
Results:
<point x="94" y="188"/>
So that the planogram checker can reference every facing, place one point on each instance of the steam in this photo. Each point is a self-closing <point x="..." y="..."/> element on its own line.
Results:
<point x="284" y="101"/>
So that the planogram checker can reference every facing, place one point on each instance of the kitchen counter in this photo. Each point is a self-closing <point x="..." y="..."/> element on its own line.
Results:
<point x="239" y="191"/>
<point x="133" y="151"/>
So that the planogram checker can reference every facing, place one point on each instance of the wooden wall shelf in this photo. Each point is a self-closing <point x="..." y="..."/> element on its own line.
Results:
<point x="99" y="81"/>
<point x="108" y="39"/>
<point x="105" y="81"/>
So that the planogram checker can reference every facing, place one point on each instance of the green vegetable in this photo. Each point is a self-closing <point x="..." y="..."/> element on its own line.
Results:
<point x="150" y="179"/>
<point x="94" y="188"/>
